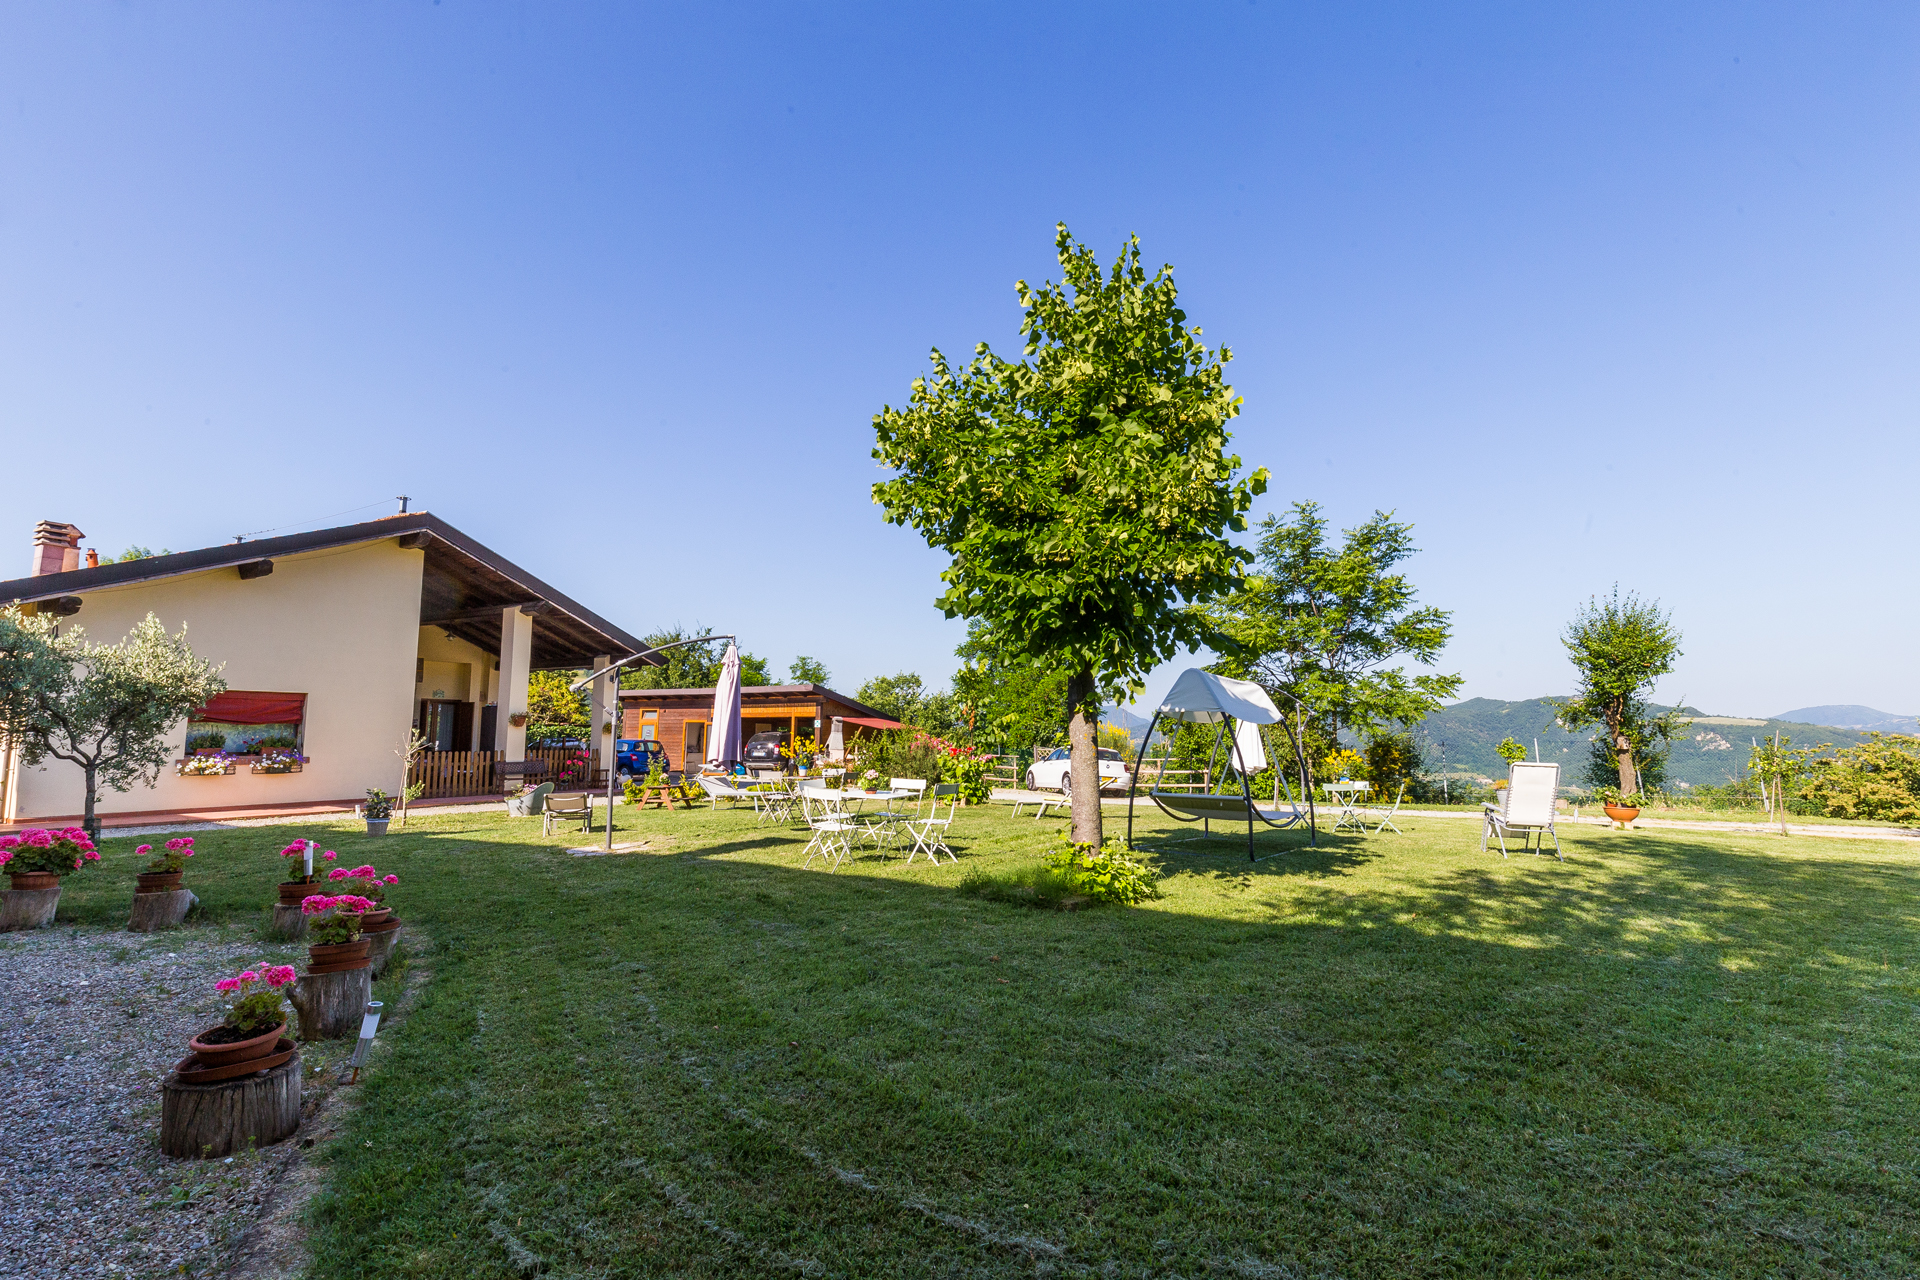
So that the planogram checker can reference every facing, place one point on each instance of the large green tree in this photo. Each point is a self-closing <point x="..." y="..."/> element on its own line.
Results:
<point x="1324" y="628"/>
<point x="1084" y="491"/>
<point x="1009" y="698"/>
<point x="107" y="708"/>
<point x="1620" y="647"/>
<point x="906" y="698"/>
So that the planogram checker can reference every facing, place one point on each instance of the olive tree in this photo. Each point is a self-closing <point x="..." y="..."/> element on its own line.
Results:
<point x="1084" y="491"/>
<point x="1620" y="647"/>
<point x="104" y="707"/>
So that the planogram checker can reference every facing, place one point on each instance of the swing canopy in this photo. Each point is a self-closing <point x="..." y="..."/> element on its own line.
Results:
<point x="1201" y="697"/>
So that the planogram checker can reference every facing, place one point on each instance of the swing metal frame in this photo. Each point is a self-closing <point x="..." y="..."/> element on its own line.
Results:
<point x="1161" y="799"/>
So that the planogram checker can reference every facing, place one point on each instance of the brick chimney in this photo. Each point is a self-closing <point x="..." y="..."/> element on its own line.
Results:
<point x="56" y="547"/>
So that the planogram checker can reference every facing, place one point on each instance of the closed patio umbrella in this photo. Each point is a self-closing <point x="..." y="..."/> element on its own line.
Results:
<point x="723" y="745"/>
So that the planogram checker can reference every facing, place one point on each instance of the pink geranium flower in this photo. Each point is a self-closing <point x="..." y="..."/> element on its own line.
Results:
<point x="279" y="975"/>
<point x="391" y="880"/>
<point x="143" y="851"/>
<point x="227" y="984"/>
<point x="6" y="856"/>
<point x="294" y="850"/>
<point x="315" y="904"/>
<point x="363" y="871"/>
<point x="249" y="976"/>
<point x="9" y="842"/>
<point x="329" y="855"/>
<point x="179" y="843"/>
<point x="338" y="873"/>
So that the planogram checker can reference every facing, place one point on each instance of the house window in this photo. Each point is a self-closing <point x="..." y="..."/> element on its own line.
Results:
<point x="649" y="726"/>
<point x="246" y="722"/>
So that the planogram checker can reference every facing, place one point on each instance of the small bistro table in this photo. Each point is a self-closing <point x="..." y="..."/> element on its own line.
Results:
<point x="1348" y="795"/>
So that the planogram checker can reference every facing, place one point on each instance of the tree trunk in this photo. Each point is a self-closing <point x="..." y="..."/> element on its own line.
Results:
<point x="91" y="822"/>
<point x="1084" y="767"/>
<point x="289" y="922"/>
<point x="331" y="1004"/>
<point x="153" y="911"/>
<point x="1623" y="757"/>
<point x="213" y="1120"/>
<point x="380" y="946"/>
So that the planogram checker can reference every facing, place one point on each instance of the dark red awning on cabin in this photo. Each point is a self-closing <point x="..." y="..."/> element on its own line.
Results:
<point x="871" y="722"/>
<point x="240" y="707"/>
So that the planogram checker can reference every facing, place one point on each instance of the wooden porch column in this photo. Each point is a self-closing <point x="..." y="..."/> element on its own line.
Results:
<point x="603" y="712"/>
<point x="516" y="657"/>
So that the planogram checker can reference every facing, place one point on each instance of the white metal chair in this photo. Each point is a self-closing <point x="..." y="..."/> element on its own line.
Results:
<point x="833" y="828"/>
<point x="1525" y="808"/>
<point x="930" y="832"/>
<point x="918" y="786"/>
<point x="1386" y="815"/>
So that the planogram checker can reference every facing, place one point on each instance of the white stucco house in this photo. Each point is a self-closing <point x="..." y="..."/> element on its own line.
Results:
<point x="343" y="639"/>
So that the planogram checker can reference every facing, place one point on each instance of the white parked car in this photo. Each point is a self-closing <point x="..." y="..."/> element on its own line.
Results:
<point x="1049" y="772"/>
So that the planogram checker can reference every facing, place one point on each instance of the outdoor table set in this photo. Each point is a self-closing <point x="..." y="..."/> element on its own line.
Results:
<point x="837" y="817"/>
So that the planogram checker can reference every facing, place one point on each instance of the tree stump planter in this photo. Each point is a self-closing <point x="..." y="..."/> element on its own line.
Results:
<point x="213" y="1120"/>
<point x="380" y="940"/>
<point x="157" y="881"/>
<point x="153" y="911"/>
<point x="331" y="1004"/>
<point x="28" y="908"/>
<point x="289" y="922"/>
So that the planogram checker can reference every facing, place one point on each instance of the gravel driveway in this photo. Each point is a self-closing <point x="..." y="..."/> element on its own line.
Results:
<point x="91" y="1021"/>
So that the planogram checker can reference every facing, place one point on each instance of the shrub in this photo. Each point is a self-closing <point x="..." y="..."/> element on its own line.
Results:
<point x="1344" y="763"/>
<point x="62" y="851"/>
<point x="1105" y="874"/>
<point x="1511" y="751"/>
<point x="206" y="740"/>
<point x="379" y="804"/>
<point x="255" y="1013"/>
<point x="1880" y="778"/>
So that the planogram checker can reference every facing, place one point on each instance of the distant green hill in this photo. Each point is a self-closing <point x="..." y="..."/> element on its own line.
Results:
<point x="1462" y="738"/>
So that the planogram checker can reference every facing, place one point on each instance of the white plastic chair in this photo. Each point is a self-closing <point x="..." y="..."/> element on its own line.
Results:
<point x="718" y="791"/>
<point x="1525" y="808"/>
<point x="930" y="832"/>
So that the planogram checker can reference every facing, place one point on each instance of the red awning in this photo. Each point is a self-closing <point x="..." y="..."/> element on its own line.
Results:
<point x="872" y="722"/>
<point x="238" y="707"/>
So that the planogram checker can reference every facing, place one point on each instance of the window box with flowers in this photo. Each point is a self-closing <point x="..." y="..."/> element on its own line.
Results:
<point x="218" y="765"/>
<point x="278" y="761"/>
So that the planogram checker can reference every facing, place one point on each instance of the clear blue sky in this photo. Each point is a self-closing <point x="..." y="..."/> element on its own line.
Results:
<point x="1587" y="293"/>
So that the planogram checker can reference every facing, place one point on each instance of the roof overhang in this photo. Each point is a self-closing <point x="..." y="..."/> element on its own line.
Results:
<point x="465" y="587"/>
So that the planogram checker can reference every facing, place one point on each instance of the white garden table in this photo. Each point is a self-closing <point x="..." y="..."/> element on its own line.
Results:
<point x="1348" y="796"/>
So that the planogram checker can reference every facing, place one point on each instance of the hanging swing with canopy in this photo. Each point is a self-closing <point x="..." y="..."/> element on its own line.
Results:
<point x="1200" y="697"/>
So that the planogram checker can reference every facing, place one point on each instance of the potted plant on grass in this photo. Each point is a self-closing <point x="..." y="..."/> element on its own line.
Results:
<point x="163" y="873"/>
<point x="255" y="1022"/>
<point x="36" y="858"/>
<point x="369" y="884"/>
<point x="296" y="888"/>
<point x="378" y="811"/>
<point x="1622" y="808"/>
<point x="333" y="930"/>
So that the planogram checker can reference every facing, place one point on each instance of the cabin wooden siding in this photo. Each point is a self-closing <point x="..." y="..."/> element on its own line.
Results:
<point x="675" y="708"/>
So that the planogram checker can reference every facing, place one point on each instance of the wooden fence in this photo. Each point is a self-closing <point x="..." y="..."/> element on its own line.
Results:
<point x="475" y="773"/>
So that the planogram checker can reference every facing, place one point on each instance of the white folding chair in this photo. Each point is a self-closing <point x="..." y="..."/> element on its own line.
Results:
<point x="833" y="829"/>
<point x="1386" y="815"/>
<point x="930" y="832"/>
<point x="918" y="786"/>
<point x="1525" y="808"/>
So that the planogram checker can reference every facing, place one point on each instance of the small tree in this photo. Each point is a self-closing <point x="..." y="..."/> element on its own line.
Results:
<point x="1620" y="648"/>
<point x="106" y="708"/>
<point x="1511" y="751"/>
<point x="411" y="748"/>
<point x="1321" y="628"/>
<point x="1084" y="492"/>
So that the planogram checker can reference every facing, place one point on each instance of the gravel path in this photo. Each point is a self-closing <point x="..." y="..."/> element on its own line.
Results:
<point x="91" y="1021"/>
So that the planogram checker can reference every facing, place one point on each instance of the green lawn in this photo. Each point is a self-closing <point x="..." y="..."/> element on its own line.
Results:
<point x="1673" y="1054"/>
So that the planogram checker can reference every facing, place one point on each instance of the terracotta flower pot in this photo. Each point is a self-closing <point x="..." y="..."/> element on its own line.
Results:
<point x="158" y="881"/>
<point x="34" y="879"/>
<point x="294" y="892"/>
<point x="335" y="957"/>
<point x="1622" y="814"/>
<point x="219" y="1055"/>
<point x="377" y="916"/>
